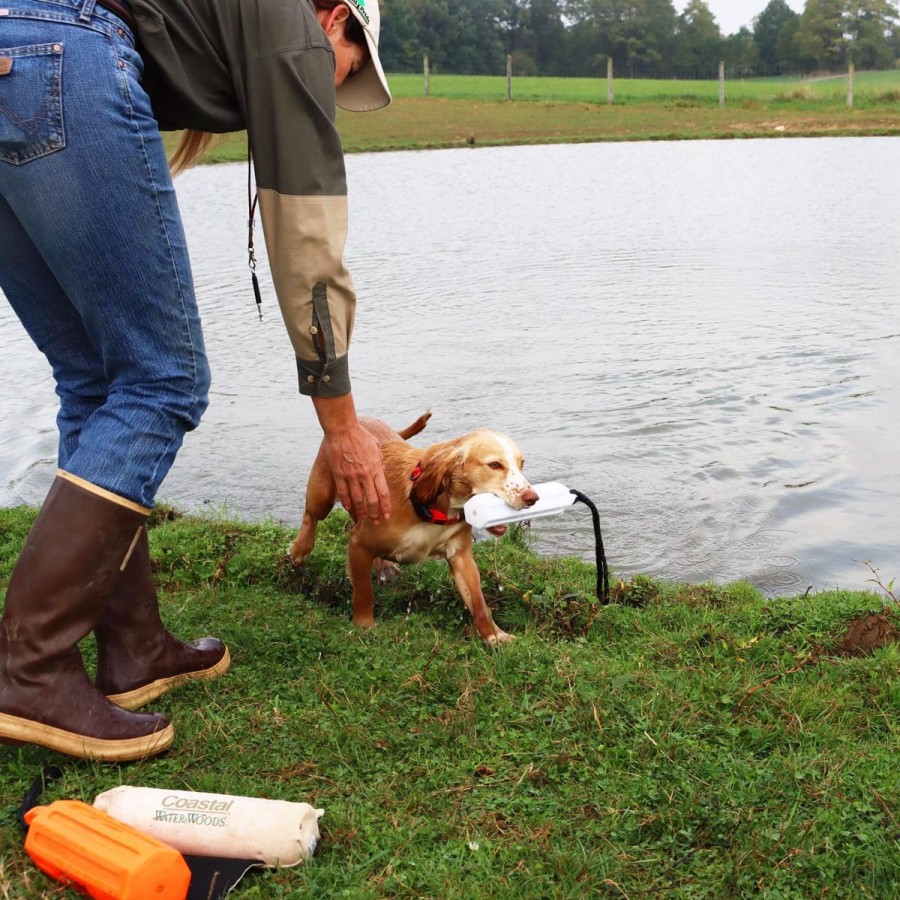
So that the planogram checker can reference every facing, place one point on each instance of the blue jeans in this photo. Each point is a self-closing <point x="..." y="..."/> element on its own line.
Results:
<point x="93" y="256"/>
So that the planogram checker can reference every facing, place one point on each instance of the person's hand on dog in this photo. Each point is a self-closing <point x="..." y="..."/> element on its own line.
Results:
<point x="354" y="457"/>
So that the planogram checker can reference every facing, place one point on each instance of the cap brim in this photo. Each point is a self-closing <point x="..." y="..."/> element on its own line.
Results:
<point x="368" y="88"/>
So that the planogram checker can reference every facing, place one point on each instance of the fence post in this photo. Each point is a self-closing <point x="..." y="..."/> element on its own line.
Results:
<point x="850" y="74"/>
<point x="721" y="83"/>
<point x="609" y="80"/>
<point x="426" y="73"/>
<point x="508" y="77"/>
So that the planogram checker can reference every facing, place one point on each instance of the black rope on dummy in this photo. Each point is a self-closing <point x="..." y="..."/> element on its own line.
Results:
<point x="602" y="567"/>
<point x="30" y="800"/>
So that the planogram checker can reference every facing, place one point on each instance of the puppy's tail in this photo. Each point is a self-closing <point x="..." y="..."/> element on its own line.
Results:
<point x="416" y="426"/>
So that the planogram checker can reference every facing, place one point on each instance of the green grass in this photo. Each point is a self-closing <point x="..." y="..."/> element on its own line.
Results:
<point x="638" y="90"/>
<point x="687" y="741"/>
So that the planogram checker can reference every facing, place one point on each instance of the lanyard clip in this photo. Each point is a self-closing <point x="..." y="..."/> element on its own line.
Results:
<point x="252" y="200"/>
<point x="251" y="262"/>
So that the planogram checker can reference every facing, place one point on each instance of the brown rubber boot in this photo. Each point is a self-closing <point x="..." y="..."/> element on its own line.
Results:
<point x="73" y="557"/>
<point x="137" y="659"/>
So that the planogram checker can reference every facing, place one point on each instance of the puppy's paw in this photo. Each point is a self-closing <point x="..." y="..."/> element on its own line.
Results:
<point x="499" y="637"/>
<point x="297" y="555"/>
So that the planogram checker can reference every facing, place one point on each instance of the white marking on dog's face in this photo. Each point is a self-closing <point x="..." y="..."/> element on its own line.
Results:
<point x="493" y="464"/>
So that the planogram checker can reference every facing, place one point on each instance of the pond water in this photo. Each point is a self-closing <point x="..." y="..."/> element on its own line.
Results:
<point x="703" y="337"/>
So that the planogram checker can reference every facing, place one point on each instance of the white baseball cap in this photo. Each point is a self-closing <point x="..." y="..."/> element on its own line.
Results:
<point x="368" y="88"/>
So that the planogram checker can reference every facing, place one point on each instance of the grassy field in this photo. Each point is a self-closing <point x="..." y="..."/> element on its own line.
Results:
<point x="464" y="111"/>
<point x="867" y="85"/>
<point x="688" y="741"/>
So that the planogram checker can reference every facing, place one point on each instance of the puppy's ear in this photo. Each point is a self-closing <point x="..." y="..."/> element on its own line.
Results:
<point x="439" y="464"/>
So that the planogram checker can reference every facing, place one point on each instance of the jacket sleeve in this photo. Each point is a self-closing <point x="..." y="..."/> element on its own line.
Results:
<point x="302" y="189"/>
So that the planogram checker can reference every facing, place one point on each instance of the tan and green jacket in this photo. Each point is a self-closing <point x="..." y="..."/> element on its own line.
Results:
<point x="267" y="66"/>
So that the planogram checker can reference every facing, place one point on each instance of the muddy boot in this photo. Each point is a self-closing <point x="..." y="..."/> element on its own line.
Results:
<point x="73" y="557"/>
<point x="137" y="659"/>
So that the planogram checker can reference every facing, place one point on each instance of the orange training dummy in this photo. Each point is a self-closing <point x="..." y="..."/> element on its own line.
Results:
<point x="101" y="856"/>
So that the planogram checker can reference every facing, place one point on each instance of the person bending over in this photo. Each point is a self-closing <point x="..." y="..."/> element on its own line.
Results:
<point x="94" y="262"/>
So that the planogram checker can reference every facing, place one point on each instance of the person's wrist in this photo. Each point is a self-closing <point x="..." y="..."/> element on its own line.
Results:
<point x="336" y="414"/>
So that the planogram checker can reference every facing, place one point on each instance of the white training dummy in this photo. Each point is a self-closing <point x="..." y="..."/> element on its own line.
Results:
<point x="277" y="833"/>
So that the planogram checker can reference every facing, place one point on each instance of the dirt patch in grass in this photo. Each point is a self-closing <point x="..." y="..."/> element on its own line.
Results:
<point x="869" y="633"/>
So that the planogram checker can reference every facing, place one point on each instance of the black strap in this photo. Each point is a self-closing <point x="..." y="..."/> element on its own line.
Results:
<point x="33" y="794"/>
<point x="602" y="567"/>
<point x="213" y="878"/>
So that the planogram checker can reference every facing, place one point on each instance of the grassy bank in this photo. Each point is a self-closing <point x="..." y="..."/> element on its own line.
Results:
<point x="464" y="111"/>
<point x="689" y="740"/>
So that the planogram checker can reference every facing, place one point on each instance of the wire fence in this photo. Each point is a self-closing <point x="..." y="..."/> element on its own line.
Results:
<point x="636" y="70"/>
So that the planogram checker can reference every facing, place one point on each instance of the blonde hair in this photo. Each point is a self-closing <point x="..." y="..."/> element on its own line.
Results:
<point x="193" y="144"/>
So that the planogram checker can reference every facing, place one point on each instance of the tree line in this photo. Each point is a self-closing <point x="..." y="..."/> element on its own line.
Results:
<point x="644" y="38"/>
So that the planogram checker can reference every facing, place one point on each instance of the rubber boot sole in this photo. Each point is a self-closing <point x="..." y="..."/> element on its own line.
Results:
<point x="144" y="694"/>
<point x="15" y="730"/>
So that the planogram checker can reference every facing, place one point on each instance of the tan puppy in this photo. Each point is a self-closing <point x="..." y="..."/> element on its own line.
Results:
<point x="428" y="490"/>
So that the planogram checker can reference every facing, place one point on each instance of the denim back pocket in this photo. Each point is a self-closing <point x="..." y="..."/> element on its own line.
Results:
<point x="31" y="107"/>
